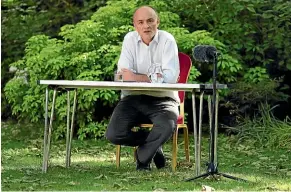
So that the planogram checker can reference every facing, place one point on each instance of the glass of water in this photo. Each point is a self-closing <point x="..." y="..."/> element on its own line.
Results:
<point x="118" y="76"/>
<point x="155" y="73"/>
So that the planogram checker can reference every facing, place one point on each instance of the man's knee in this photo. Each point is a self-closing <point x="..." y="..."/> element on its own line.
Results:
<point x="166" y="128"/>
<point x="170" y="126"/>
<point x="110" y="135"/>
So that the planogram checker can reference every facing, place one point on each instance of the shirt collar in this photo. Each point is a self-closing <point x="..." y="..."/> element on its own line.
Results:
<point x="156" y="38"/>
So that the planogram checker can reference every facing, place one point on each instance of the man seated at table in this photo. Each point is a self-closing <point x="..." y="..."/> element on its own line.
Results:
<point x="140" y="50"/>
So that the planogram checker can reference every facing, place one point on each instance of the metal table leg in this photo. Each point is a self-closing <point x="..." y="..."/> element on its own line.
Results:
<point x="68" y="128"/>
<point x="195" y="133"/>
<point x="216" y="123"/>
<point x="47" y="134"/>
<point x="70" y="132"/>
<point x="200" y="131"/>
<point x="44" y="162"/>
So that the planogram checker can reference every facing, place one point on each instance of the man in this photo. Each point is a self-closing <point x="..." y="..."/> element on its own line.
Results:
<point x="140" y="49"/>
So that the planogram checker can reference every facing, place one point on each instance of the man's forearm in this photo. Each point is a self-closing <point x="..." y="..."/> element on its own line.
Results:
<point x="142" y="78"/>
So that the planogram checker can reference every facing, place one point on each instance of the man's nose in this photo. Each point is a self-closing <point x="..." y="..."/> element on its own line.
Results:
<point x="146" y="25"/>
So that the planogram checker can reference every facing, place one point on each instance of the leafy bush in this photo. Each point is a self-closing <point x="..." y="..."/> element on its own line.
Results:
<point x="257" y="30"/>
<point x="256" y="74"/>
<point x="245" y="97"/>
<point x="94" y="129"/>
<point x="89" y="50"/>
<point x="23" y="19"/>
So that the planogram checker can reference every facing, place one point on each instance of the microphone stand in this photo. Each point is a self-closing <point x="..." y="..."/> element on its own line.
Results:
<point x="212" y="166"/>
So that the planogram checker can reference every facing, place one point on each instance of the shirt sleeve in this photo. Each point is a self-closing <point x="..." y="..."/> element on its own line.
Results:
<point x="126" y="56"/>
<point x="170" y="62"/>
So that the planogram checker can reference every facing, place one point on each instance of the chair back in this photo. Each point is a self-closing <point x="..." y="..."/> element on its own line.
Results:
<point x="185" y="66"/>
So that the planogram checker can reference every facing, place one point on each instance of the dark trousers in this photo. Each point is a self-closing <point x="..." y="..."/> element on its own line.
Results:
<point x="136" y="109"/>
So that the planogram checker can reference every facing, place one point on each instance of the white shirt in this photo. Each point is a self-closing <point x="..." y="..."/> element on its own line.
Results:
<point x="138" y="56"/>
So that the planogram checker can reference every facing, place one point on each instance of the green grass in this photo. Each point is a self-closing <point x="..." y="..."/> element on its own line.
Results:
<point x="93" y="166"/>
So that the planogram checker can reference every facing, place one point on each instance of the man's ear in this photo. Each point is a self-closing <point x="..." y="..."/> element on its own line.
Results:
<point x="133" y="25"/>
<point x="158" y="21"/>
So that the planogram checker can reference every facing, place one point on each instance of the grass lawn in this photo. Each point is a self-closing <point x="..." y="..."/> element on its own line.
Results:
<point x="94" y="169"/>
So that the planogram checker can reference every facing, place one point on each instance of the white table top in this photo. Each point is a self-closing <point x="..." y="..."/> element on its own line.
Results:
<point x="128" y="85"/>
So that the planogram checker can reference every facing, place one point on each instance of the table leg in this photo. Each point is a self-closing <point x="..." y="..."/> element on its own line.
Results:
<point x="216" y="123"/>
<point x="195" y="133"/>
<point x="47" y="149"/>
<point x="200" y="130"/>
<point x="44" y="162"/>
<point x="72" y="128"/>
<point x="68" y="129"/>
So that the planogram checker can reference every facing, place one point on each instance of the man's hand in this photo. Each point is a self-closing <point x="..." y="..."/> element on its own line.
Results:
<point x="128" y="75"/>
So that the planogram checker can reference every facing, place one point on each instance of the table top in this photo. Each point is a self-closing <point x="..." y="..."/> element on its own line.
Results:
<point x="128" y="85"/>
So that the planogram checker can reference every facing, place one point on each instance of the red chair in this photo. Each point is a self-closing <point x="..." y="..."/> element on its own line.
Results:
<point x="185" y="66"/>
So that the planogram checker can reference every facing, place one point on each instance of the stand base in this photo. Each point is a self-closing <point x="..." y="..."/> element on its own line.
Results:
<point x="212" y="171"/>
<point x="213" y="174"/>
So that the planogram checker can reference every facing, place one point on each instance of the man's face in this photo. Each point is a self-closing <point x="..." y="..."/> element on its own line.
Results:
<point x="146" y="23"/>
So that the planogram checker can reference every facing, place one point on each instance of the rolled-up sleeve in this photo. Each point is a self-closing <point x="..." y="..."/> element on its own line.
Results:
<point x="126" y="57"/>
<point x="170" y="62"/>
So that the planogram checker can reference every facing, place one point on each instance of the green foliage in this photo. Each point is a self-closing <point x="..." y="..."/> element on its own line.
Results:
<point x="94" y="130"/>
<point x="257" y="34"/>
<point x="257" y="92"/>
<point x="265" y="130"/>
<point x="228" y="66"/>
<point x="256" y="74"/>
<point x="258" y="30"/>
<point x="244" y="98"/>
<point x="15" y="98"/>
<point x="228" y="69"/>
<point x="21" y="20"/>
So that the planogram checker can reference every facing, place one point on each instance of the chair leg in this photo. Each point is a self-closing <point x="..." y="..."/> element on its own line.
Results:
<point x="134" y="150"/>
<point x="118" y="148"/>
<point x="186" y="143"/>
<point x="174" y="150"/>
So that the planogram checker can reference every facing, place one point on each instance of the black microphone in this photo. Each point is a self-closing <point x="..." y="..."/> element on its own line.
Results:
<point x="204" y="53"/>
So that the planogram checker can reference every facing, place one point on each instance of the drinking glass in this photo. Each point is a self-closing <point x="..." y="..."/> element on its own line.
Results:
<point x="117" y="76"/>
<point x="155" y="73"/>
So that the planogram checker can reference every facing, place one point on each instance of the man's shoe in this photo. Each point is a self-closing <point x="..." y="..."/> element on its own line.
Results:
<point x="159" y="159"/>
<point x="141" y="166"/>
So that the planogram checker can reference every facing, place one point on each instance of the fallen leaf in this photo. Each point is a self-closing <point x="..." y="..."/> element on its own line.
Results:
<point x="206" y="188"/>
<point x="158" y="189"/>
<point x="72" y="183"/>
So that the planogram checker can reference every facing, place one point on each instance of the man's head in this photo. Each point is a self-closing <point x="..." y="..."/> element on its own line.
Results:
<point x="146" y="22"/>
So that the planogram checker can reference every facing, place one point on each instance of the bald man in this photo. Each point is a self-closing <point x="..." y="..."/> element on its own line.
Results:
<point x="140" y="50"/>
